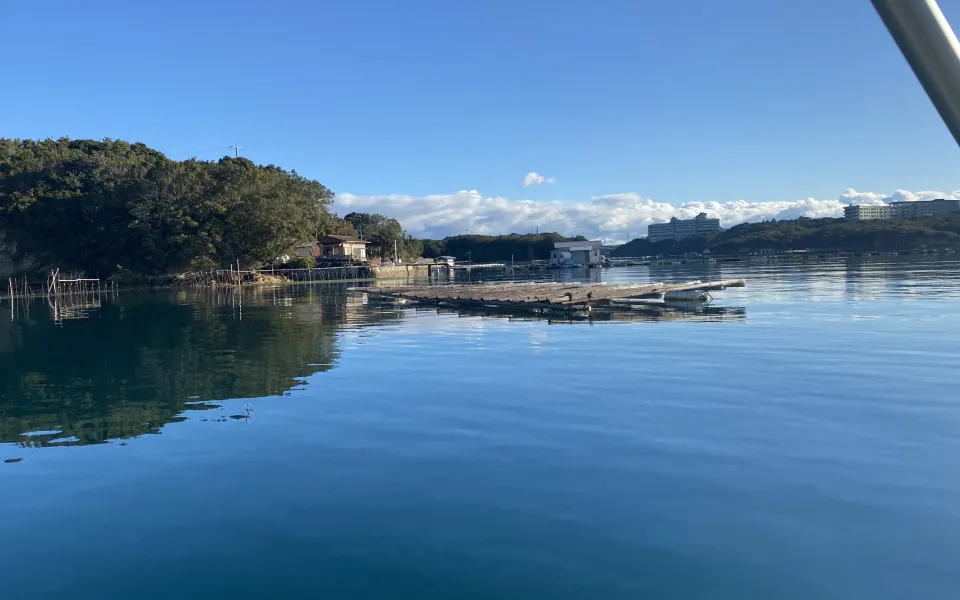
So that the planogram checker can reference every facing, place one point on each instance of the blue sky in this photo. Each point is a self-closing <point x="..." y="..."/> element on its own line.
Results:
<point x="692" y="101"/>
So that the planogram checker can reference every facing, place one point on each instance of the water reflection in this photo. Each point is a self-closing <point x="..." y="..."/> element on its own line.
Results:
<point x="781" y="278"/>
<point x="131" y="363"/>
<point x="142" y="360"/>
<point x="449" y="455"/>
<point x="666" y="311"/>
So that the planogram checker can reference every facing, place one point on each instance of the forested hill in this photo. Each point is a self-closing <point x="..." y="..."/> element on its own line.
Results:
<point x="499" y="248"/>
<point x="92" y="206"/>
<point x="941" y="231"/>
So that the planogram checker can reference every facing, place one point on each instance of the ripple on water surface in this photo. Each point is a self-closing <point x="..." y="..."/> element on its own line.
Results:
<point x="793" y="440"/>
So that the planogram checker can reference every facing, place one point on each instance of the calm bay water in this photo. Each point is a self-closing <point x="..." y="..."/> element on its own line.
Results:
<point x="798" y="440"/>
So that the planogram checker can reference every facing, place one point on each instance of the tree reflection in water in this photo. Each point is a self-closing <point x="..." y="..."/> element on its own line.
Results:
<point x="142" y="360"/>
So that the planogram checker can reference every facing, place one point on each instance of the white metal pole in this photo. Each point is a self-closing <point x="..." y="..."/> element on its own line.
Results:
<point x="932" y="50"/>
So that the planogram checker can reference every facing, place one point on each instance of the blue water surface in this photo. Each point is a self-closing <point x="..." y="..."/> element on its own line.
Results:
<point x="801" y="441"/>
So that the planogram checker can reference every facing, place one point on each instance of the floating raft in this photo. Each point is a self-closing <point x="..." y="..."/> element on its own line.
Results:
<point x="551" y="297"/>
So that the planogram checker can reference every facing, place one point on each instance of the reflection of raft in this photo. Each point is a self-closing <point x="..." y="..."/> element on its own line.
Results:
<point x="552" y="297"/>
<point x="651" y="311"/>
<point x="689" y="295"/>
<point x="701" y="296"/>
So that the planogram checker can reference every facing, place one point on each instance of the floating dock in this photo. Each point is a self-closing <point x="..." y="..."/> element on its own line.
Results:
<point x="551" y="297"/>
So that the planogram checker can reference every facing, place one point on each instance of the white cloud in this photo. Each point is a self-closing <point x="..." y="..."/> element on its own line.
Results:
<point x="612" y="217"/>
<point x="533" y="178"/>
<point x="852" y="196"/>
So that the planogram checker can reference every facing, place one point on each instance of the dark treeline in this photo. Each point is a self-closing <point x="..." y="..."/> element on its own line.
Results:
<point x="495" y="248"/>
<point x="94" y="206"/>
<point x="106" y="207"/>
<point x="941" y="231"/>
<point x="385" y="235"/>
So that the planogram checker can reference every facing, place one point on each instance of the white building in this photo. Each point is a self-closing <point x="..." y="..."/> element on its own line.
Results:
<point x="677" y="229"/>
<point x="901" y="210"/>
<point x="862" y="212"/>
<point x="576" y="254"/>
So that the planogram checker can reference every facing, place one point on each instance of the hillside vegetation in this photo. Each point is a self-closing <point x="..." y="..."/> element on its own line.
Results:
<point x="495" y="248"/>
<point x="92" y="206"/>
<point x="103" y="207"/>
<point x="941" y="231"/>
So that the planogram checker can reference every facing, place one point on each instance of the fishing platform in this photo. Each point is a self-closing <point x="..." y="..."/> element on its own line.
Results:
<point x="552" y="297"/>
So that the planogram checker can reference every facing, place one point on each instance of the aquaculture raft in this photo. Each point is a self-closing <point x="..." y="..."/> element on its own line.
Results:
<point x="551" y="297"/>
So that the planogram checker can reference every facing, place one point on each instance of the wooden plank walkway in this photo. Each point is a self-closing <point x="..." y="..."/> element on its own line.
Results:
<point x="540" y="296"/>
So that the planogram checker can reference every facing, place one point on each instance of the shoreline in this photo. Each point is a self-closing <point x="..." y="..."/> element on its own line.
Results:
<point x="223" y="279"/>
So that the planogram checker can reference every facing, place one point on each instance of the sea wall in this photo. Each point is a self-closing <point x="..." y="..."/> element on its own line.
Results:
<point x="408" y="271"/>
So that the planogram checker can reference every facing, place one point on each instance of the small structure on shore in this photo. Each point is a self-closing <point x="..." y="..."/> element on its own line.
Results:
<point x="342" y="246"/>
<point x="576" y="254"/>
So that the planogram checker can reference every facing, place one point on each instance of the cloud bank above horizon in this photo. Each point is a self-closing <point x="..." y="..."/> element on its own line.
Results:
<point x="612" y="218"/>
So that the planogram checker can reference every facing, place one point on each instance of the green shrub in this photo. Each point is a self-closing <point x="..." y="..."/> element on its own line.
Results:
<point x="302" y="262"/>
<point x="128" y="277"/>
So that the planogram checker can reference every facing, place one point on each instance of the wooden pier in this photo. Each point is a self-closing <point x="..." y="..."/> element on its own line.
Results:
<point x="550" y="297"/>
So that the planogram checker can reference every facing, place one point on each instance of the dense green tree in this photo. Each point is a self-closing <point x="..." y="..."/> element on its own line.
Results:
<point x="331" y="224"/>
<point x="384" y="234"/>
<point x="432" y="248"/>
<point x="490" y="248"/>
<point x="90" y="206"/>
<point x="412" y="248"/>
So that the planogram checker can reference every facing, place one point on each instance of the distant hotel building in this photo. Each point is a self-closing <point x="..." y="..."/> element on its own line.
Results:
<point x="678" y="229"/>
<point x="908" y="210"/>
<point x="901" y="210"/>
<point x="861" y="212"/>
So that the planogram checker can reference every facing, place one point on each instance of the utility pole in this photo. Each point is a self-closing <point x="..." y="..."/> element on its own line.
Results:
<point x="931" y="49"/>
<point x="396" y="257"/>
<point x="236" y="150"/>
